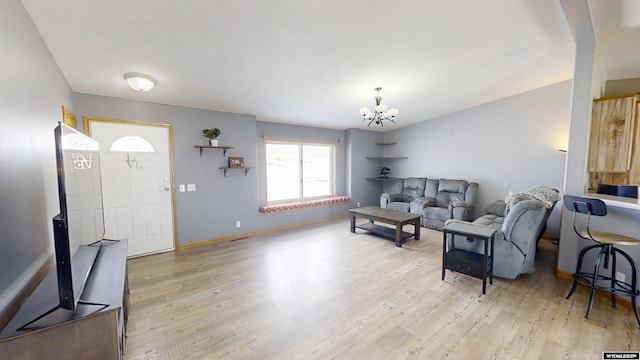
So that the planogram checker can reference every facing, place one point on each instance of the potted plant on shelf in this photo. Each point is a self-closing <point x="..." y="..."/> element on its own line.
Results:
<point x="384" y="172"/>
<point x="212" y="134"/>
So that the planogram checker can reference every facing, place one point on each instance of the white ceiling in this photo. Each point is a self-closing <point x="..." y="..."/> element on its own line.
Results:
<point x="617" y="27"/>
<point x="316" y="62"/>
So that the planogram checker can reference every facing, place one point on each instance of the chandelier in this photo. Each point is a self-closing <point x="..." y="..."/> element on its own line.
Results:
<point x="381" y="113"/>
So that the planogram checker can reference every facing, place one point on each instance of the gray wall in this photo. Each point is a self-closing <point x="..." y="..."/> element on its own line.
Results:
<point x="361" y="144"/>
<point x="212" y="210"/>
<point x="32" y="91"/>
<point x="515" y="140"/>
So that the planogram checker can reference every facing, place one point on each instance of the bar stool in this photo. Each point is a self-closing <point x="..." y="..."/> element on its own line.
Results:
<point x="606" y="245"/>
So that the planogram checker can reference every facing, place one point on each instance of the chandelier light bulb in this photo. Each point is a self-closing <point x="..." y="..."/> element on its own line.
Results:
<point x="381" y="108"/>
<point x="380" y="113"/>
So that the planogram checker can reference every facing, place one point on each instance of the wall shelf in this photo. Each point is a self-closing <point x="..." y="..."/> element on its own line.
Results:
<point x="384" y="179"/>
<point x="226" y="168"/>
<point x="224" y="148"/>
<point x="386" y="158"/>
<point x="382" y="160"/>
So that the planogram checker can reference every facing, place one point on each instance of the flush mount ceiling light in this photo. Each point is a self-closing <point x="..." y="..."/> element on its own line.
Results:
<point x="140" y="82"/>
<point x="381" y="113"/>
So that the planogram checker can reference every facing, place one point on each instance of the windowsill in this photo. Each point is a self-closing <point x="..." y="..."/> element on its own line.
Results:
<point x="292" y="206"/>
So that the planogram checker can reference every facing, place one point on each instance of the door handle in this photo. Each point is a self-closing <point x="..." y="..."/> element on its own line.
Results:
<point x="166" y="188"/>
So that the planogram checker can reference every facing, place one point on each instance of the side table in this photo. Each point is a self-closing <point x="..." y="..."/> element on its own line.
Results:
<point x="468" y="262"/>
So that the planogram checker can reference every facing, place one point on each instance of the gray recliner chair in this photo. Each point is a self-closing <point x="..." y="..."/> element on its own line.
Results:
<point x="412" y="188"/>
<point x="518" y="232"/>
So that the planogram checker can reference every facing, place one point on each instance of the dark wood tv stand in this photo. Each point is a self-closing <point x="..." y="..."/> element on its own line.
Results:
<point x="89" y="332"/>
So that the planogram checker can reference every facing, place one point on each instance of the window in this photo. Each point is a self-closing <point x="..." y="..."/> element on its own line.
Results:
<point x="131" y="144"/>
<point x="299" y="171"/>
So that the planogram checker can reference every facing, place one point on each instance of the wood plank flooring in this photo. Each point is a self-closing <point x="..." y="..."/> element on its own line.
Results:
<point x="320" y="292"/>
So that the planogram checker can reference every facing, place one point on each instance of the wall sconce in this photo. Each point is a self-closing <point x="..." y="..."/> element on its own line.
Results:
<point x="140" y="82"/>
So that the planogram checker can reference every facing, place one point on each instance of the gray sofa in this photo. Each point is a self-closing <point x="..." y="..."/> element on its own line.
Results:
<point x="518" y="231"/>
<point x="436" y="200"/>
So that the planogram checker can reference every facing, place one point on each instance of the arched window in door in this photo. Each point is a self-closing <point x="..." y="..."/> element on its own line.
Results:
<point x="131" y="144"/>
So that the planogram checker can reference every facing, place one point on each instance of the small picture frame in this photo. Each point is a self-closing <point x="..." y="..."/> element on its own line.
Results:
<point x="236" y="162"/>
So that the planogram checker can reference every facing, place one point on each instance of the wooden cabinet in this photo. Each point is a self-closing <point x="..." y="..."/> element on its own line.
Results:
<point x="95" y="330"/>
<point x="614" y="157"/>
<point x="612" y="126"/>
<point x="634" y="171"/>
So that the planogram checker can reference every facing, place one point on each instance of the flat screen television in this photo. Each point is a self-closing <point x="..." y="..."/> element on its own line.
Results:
<point x="78" y="229"/>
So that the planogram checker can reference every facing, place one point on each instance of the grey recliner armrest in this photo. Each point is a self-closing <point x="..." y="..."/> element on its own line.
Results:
<point x="459" y="203"/>
<point x="460" y="209"/>
<point x="387" y="198"/>
<point x="496" y="208"/>
<point x="393" y="197"/>
<point x="418" y="204"/>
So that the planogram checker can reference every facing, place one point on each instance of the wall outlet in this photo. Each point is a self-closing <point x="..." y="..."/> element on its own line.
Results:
<point x="181" y="187"/>
<point x="506" y="184"/>
<point x="238" y="223"/>
<point x="620" y="276"/>
<point x="191" y="187"/>
<point x="358" y="204"/>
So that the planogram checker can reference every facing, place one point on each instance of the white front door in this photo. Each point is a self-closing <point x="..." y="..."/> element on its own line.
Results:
<point x="137" y="186"/>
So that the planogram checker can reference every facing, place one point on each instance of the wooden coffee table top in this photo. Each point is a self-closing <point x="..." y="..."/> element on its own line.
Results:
<point x="380" y="213"/>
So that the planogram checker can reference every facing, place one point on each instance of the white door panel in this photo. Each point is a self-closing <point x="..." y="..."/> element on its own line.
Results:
<point x="137" y="189"/>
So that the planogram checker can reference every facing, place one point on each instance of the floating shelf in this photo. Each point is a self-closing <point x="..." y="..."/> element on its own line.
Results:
<point x="383" y="159"/>
<point x="226" y="168"/>
<point x="224" y="148"/>
<point x="386" y="158"/>
<point x="384" y="179"/>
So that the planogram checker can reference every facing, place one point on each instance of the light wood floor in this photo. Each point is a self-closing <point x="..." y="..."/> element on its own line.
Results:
<point x="320" y="292"/>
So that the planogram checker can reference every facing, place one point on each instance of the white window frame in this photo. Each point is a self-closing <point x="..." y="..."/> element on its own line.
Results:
<point x="300" y="144"/>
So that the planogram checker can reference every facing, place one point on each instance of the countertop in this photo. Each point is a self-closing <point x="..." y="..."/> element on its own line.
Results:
<point x="616" y="201"/>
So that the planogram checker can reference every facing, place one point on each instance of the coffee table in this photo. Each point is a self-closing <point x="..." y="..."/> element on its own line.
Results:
<point x="397" y="218"/>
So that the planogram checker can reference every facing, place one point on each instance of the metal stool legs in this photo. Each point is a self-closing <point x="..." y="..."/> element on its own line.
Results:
<point x="616" y="287"/>
<point x="577" y="275"/>
<point x="626" y="288"/>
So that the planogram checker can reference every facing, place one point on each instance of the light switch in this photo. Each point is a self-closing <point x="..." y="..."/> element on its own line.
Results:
<point x="191" y="187"/>
<point x="181" y="187"/>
